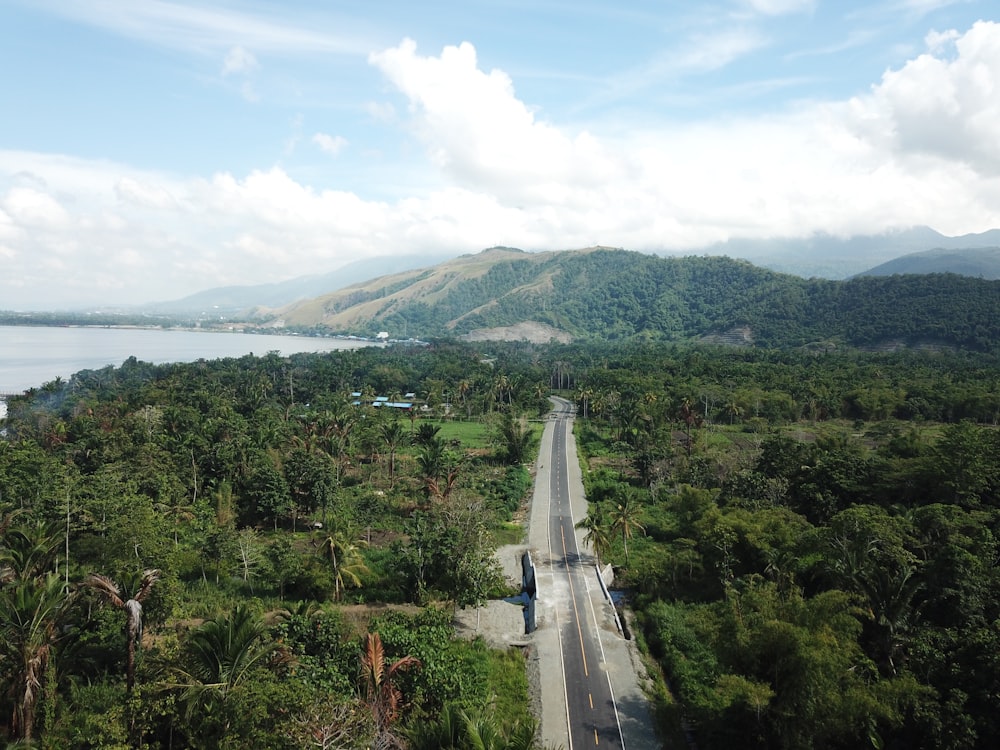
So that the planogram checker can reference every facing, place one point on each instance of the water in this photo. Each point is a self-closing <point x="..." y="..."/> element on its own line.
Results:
<point x="31" y="356"/>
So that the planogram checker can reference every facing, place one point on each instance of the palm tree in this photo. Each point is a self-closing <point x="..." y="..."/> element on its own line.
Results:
<point x="462" y="390"/>
<point x="119" y="598"/>
<point x="516" y="439"/>
<point x="342" y="550"/>
<point x="480" y="728"/>
<point x="31" y="614"/>
<point x="426" y="434"/>
<point x="599" y="532"/>
<point x="392" y="435"/>
<point x="625" y="520"/>
<point x="29" y="550"/>
<point x="223" y="654"/>
<point x="378" y="684"/>
<point x="439" y="469"/>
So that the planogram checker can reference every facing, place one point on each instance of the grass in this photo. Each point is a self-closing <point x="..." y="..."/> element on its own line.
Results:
<point x="474" y="435"/>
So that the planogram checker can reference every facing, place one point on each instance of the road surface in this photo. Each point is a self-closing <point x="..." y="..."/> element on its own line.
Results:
<point x="584" y="660"/>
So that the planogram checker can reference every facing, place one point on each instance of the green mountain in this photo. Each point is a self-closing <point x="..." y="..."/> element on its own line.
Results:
<point x="603" y="293"/>
<point x="981" y="262"/>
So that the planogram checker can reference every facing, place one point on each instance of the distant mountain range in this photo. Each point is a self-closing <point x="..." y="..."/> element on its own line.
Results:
<point x="978" y="262"/>
<point x="228" y="301"/>
<point x="828" y="257"/>
<point x="943" y="293"/>
<point x="822" y="256"/>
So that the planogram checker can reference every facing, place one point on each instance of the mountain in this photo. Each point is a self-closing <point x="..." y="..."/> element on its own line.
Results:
<point x="980" y="262"/>
<point x="604" y="293"/>
<point x="820" y="255"/>
<point x="227" y="301"/>
<point x="830" y="257"/>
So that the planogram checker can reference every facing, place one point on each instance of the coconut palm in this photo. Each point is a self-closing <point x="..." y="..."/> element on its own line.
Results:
<point x="222" y="656"/>
<point x="120" y="598"/>
<point x="599" y="531"/>
<point x="378" y="685"/>
<point x="625" y="520"/>
<point x="29" y="550"/>
<point x="342" y="549"/>
<point x="392" y="435"/>
<point x="31" y="615"/>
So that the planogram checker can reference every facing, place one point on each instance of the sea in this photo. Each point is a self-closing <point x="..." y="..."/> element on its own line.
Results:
<point x="31" y="356"/>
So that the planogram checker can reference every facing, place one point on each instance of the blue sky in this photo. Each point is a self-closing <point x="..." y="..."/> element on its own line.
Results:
<point x="153" y="148"/>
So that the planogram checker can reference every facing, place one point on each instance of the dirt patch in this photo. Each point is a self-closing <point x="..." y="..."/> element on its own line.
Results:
<point x="500" y="622"/>
<point x="528" y="330"/>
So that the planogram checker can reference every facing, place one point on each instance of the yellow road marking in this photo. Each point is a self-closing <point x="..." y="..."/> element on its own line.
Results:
<point x="576" y="612"/>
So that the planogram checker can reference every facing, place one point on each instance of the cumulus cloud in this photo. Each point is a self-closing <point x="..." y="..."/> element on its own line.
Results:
<point x="941" y="105"/>
<point x="834" y="167"/>
<point x="478" y="131"/>
<point x="918" y="148"/>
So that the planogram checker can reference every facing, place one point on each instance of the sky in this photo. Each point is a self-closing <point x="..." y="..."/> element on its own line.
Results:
<point x="150" y="149"/>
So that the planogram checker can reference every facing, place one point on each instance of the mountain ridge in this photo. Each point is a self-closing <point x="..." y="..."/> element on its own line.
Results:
<point x="616" y="294"/>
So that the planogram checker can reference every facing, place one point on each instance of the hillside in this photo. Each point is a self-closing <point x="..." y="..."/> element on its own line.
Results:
<point x="979" y="262"/>
<point x="602" y="293"/>
<point x="239" y="300"/>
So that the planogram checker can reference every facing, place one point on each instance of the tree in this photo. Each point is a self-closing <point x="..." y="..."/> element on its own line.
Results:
<point x="625" y="520"/>
<point x="342" y="550"/>
<point x="598" y="531"/>
<point x="378" y="685"/>
<point x="392" y="435"/>
<point x="516" y="439"/>
<point x="120" y="598"/>
<point x="222" y="654"/>
<point x="439" y="469"/>
<point x="31" y="617"/>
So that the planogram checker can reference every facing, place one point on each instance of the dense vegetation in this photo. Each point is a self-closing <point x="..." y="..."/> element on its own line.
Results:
<point x="809" y="542"/>
<point x="618" y="295"/>
<point x="811" y="566"/>
<point x="295" y="557"/>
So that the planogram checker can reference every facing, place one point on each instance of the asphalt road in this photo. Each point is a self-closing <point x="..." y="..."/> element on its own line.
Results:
<point x="591" y="711"/>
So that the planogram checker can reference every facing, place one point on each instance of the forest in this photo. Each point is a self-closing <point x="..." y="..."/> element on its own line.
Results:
<point x="242" y="552"/>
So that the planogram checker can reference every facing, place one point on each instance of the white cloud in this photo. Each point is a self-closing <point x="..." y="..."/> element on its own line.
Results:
<point x="330" y="144"/>
<point x="146" y="195"/>
<point x="944" y="107"/>
<point x="239" y="60"/>
<point x="29" y="207"/>
<point x="477" y="130"/>
<point x="918" y="148"/>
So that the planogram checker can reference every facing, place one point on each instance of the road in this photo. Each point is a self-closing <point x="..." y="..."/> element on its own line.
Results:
<point x="592" y="715"/>
<point x="584" y="659"/>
